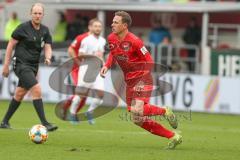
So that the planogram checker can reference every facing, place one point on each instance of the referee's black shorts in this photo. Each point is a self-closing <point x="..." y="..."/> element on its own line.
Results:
<point x="26" y="75"/>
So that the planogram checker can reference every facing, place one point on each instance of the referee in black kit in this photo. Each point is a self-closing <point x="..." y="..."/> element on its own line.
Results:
<point x="29" y="39"/>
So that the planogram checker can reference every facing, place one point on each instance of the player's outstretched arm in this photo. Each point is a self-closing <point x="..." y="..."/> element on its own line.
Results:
<point x="11" y="44"/>
<point x="109" y="62"/>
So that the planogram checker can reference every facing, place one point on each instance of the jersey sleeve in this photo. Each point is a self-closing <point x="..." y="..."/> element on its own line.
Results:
<point x="142" y="51"/>
<point x="18" y="33"/>
<point x="110" y="60"/>
<point x="75" y="43"/>
<point x="48" y="37"/>
<point x="145" y="56"/>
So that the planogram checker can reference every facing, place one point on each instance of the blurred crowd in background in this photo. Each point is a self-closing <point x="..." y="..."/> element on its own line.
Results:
<point x="162" y="37"/>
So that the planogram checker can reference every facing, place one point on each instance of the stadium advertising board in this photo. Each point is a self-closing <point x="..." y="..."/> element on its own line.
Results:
<point x="202" y="93"/>
<point x="7" y="86"/>
<point x="189" y="92"/>
<point x="225" y="62"/>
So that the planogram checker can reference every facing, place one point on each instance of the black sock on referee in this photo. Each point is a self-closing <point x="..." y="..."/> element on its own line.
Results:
<point x="38" y="105"/>
<point x="13" y="106"/>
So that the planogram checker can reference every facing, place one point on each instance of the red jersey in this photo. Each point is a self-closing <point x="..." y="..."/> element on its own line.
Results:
<point x="130" y="54"/>
<point x="76" y="45"/>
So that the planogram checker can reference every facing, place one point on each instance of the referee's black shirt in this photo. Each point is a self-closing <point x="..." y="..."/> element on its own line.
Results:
<point x="30" y="43"/>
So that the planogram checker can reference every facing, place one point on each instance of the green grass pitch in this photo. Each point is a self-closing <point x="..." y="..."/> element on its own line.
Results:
<point x="205" y="136"/>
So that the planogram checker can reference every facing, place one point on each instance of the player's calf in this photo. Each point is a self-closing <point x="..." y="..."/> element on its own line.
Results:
<point x="36" y="91"/>
<point x="138" y="120"/>
<point x="20" y="93"/>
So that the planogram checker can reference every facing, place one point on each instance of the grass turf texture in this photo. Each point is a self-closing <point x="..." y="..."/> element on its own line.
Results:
<point x="206" y="136"/>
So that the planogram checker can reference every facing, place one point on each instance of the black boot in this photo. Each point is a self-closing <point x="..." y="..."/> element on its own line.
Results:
<point x="5" y="125"/>
<point x="50" y="127"/>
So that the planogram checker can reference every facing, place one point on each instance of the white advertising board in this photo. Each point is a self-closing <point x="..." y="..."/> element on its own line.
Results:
<point x="202" y="93"/>
<point x="189" y="92"/>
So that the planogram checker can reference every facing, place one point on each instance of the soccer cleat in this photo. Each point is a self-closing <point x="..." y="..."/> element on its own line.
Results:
<point x="4" y="125"/>
<point x="90" y="118"/>
<point x="50" y="127"/>
<point x="171" y="117"/>
<point x="73" y="118"/>
<point x="175" y="140"/>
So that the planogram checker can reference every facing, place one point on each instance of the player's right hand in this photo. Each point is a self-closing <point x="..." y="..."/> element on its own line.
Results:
<point x="5" y="71"/>
<point x="103" y="71"/>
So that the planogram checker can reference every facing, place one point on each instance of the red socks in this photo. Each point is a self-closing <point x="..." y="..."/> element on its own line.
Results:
<point x="151" y="110"/>
<point x="152" y="126"/>
<point x="157" y="129"/>
<point x="81" y="104"/>
<point x="68" y="102"/>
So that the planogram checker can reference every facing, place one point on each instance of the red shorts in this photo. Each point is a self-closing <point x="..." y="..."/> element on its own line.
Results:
<point x="140" y="89"/>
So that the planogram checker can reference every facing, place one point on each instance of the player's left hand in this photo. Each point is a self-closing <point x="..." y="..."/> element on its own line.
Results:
<point x="5" y="71"/>
<point x="47" y="61"/>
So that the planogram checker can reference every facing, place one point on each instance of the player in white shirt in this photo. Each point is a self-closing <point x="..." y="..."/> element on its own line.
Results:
<point x="93" y="44"/>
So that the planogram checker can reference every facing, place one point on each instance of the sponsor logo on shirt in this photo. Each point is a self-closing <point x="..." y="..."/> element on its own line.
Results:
<point x="125" y="45"/>
<point x="42" y="42"/>
<point x="122" y="57"/>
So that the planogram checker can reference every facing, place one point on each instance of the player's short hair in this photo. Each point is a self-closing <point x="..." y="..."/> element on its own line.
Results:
<point x="93" y="20"/>
<point x="126" y="18"/>
<point x="37" y="4"/>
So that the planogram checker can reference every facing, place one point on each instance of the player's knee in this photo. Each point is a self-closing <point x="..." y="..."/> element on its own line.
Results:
<point x="137" y="103"/>
<point x="137" y="109"/>
<point x="76" y="99"/>
<point x="138" y="120"/>
<point x="19" y="96"/>
<point x="97" y="101"/>
<point x="36" y="92"/>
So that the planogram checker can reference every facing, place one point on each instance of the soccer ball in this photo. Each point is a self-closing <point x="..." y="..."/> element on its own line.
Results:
<point x="38" y="134"/>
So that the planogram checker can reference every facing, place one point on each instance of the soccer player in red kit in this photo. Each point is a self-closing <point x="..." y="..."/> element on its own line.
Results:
<point x="135" y="61"/>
